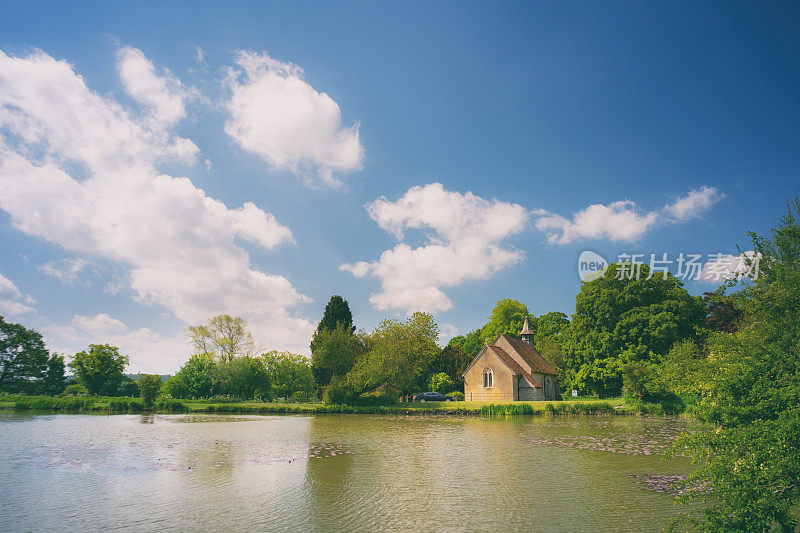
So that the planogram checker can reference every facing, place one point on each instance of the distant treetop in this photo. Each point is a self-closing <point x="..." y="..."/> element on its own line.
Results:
<point x="337" y="312"/>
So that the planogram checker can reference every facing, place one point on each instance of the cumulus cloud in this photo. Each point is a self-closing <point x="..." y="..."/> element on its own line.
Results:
<point x="623" y="220"/>
<point x="721" y="267"/>
<point x="80" y="171"/>
<point x="447" y="332"/>
<point x="465" y="243"/>
<point x="66" y="270"/>
<point x="276" y="114"/>
<point x="12" y="301"/>
<point x="149" y="351"/>
<point x="694" y="203"/>
<point x="163" y="96"/>
<point x="618" y="221"/>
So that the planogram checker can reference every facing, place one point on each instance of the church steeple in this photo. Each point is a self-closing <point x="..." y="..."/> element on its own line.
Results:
<point x="527" y="332"/>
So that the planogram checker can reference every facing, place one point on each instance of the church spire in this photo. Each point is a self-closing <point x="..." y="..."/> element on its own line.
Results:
<point x="527" y="332"/>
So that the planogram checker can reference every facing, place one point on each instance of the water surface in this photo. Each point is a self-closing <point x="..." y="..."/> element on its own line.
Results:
<point x="334" y="472"/>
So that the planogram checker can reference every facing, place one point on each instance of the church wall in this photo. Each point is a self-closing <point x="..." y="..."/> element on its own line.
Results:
<point x="503" y="380"/>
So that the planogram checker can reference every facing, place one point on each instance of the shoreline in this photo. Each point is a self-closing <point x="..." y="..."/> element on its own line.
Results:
<point x="111" y="405"/>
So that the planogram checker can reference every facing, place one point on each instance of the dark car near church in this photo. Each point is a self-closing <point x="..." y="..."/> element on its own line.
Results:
<point x="431" y="397"/>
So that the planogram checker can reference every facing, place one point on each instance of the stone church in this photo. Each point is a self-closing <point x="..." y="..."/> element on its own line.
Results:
<point x="510" y="369"/>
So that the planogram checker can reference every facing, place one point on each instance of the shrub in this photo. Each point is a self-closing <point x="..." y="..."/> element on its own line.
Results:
<point x="339" y="391"/>
<point x="118" y="405"/>
<point x="458" y="395"/>
<point x="169" y="405"/>
<point x="440" y="382"/>
<point x="76" y="389"/>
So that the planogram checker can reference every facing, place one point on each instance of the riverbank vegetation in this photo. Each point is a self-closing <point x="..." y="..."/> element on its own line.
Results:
<point x="106" y="404"/>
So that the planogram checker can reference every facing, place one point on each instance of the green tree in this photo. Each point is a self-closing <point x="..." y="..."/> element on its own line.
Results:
<point x="99" y="369"/>
<point x="244" y="378"/>
<point x="721" y="312"/>
<point x="472" y="343"/>
<point x="507" y="318"/>
<point x="128" y="387"/>
<point x="619" y="320"/>
<point x="335" y="352"/>
<point x="290" y="375"/>
<point x="549" y="327"/>
<point x="54" y="380"/>
<point x="23" y="357"/>
<point x="399" y="357"/>
<point x="224" y="337"/>
<point x="453" y="361"/>
<point x="337" y="313"/>
<point x="441" y="382"/>
<point x="194" y="380"/>
<point x="149" y="387"/>
<point x="751" y="393"/>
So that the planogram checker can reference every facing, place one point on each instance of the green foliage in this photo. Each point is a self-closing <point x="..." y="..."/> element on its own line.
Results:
<point x="242" y="377"/>
<point x="458" y="395"/>
<point x="75" y="389"/>
<point x="452" y="360"/>
<point x="49" y="403"/>
<point x="399" y="356"/>
<point x="223" y="338"/>
<point x="290" y="375"/>
<point x="118" y="405"/>
<point x="128" y="387"/>
<point x="100" y="369"/>
<point x="721" y="312"/>
<point x="440" y="382"/>
<point x="54" y="380"/>
<point x="507" y="318"/>
<point x="23" y="357"/>
<point x="195" y="379"/>
<point x="550" y="328"/>
<point x="601" y="376"/>
<point x="337" y="314"/>
<point x="750" y="385"/>
<point x="149" y="387"/>
<point x="619" y="320"/>
<point x="521" y="408"/>
<point x="335" y="351"/>
<point x="169" y="405"/>
<point x="471" y="343"/>
<point x="339" y="391"/>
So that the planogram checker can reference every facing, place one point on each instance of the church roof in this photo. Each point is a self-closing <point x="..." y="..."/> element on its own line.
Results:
<point x="513" y="365"/>
<point x="526" y="328"/>
<point x="533" y="358"/>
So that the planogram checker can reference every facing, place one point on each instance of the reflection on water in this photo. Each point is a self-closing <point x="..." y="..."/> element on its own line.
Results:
<point x="328" y="473"/>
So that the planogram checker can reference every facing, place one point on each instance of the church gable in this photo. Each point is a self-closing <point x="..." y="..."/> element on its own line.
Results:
<point x="525" y="354"/>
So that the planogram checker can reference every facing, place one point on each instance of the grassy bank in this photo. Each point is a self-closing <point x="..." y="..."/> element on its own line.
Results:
<point x="79" y="404"/>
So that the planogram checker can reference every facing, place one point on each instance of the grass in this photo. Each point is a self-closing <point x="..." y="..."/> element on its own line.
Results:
<point x="122" y="405"/>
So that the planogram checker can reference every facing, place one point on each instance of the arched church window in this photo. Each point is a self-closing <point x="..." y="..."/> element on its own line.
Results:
<point x="487" y="378"/>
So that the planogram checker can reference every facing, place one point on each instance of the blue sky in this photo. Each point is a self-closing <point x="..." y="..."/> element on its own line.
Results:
<point x="132" y="135"/>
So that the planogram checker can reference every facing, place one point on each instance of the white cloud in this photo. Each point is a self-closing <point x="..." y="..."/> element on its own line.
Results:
<point x="465" y="244"/>
<point x="66" y="270"/>
<point x="276" y="114"/>
<point x="618" y="221"/>
<point x="623" y="220"/>
<point x="694" y="203"/>
<point x="722" y="267"/>
<point x="163" y="96"/>
<point x="79" y="170"/>
<point x="446" y="332"/>
<point x="148" y="351"/>
<point x="12" y="301"/>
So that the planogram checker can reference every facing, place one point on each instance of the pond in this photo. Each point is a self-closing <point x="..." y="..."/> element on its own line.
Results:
<point x="335" y="472"/>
